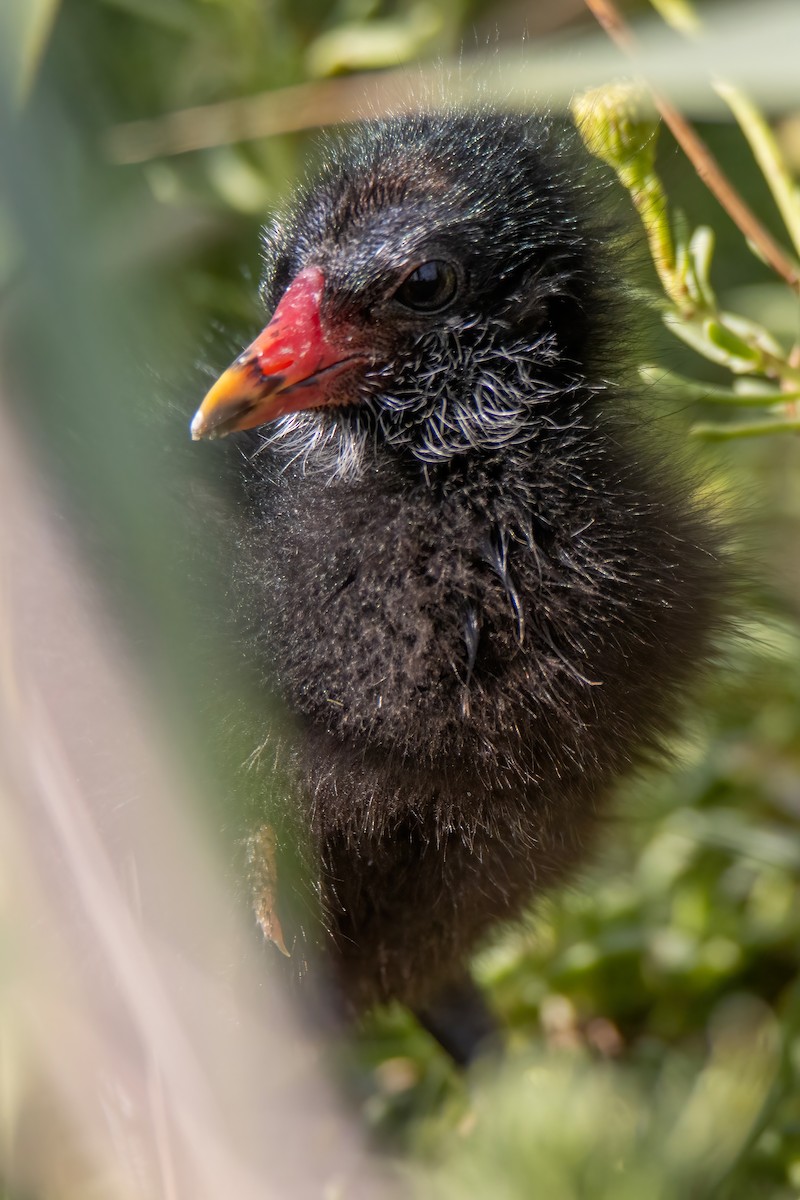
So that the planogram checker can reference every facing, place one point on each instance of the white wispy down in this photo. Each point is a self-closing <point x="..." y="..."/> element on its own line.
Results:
<point x="461" y="389"/>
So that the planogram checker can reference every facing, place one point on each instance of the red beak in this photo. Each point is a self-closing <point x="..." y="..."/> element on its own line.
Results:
<point x="290" y="366"/>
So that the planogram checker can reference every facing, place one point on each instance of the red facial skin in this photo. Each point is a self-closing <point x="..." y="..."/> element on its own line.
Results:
<point x="293" y="364"/>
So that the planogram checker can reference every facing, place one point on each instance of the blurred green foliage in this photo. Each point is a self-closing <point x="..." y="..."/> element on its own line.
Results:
<point x="654" y="1007"/>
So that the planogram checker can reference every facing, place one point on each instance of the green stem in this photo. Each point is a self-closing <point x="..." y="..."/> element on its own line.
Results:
<point x="768" y="156"/>
<point x="669" y="384"/>
<point x="744" y="429"/>
<point x="650" y="202"/>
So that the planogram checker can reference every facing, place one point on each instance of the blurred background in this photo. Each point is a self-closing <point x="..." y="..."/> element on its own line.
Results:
<point x="145" y="1049"/>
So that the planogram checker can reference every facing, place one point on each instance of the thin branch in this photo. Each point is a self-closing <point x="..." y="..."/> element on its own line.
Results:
<point x="744" y="429"/>
<point x="701" y="158"/>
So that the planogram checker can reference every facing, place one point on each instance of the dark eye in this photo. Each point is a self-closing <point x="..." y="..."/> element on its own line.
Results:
<point x="430" y="288"/>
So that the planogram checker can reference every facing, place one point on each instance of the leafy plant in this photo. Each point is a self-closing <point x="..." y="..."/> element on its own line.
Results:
<point x="620" y="126"/>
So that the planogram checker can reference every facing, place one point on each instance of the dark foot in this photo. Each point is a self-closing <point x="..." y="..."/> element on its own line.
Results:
<point x="461" y="1022"/>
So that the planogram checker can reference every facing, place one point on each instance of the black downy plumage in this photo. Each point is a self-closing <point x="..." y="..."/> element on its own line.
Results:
<point x="479" y="588"/>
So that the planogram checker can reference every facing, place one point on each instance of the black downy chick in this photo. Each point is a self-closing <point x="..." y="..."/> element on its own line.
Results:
<point x="479" y="587"/>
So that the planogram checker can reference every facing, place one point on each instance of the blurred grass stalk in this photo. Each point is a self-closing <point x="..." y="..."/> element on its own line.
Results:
<point x="25" y="28"/>
<point x="145" y="1051"/>
<point x="737" y="42"/>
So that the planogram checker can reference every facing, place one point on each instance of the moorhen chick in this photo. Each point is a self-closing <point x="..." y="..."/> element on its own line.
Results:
<point x="475" y="579"/>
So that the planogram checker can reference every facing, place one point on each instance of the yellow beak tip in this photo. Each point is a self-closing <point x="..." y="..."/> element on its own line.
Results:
<point x="199" y="426"/>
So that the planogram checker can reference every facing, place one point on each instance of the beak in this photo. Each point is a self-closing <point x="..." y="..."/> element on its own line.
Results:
<point x="290" y="366"/>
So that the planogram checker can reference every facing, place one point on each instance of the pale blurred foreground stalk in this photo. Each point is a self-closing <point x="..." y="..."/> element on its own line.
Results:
<point x="144" y="1052"/>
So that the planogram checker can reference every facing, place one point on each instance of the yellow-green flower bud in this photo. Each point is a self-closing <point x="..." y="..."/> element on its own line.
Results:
<point x="618" y="125"/>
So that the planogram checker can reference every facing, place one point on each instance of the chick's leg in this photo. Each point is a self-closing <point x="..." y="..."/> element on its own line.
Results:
<point x="461" y="1021"/>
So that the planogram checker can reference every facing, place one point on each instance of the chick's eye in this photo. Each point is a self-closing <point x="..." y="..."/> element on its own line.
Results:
<point x="430" y="288"/>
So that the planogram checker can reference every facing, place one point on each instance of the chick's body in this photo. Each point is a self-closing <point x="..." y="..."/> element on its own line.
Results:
<point x="480" y="593"/>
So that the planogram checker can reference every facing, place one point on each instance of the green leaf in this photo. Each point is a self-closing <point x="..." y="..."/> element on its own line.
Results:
<point x="357" y="46"/>
<point x="695" y="334"/>
<point x="680" y="15"/>
<point x="177" y="15"/>
<point x="25" y="27"/>
<point x="736" y="350"/>
<point x="701" y="250"/>
<point x="753" y="333"/>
